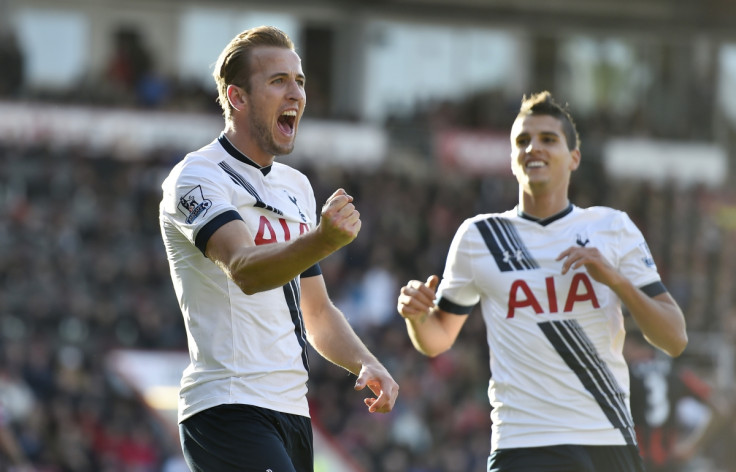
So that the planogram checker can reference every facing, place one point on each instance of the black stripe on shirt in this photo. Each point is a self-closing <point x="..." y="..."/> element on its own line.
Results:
<point x="575" y="348"/>
<point x="525" y="259"/>
<point x="549" y="219"/>
<point x="235" y="152"/>
<point x="654" y="289"/>
<point x="505" y="245"/>
<point x="312" y="271"/>
<point x="206" y="231"/>
<point x="292" y="295"/>
<point x="240" y="180"/>
<point x="452" y="307"/>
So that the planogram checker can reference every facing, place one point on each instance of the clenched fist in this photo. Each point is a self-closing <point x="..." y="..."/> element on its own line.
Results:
<point x="340" y="222"/>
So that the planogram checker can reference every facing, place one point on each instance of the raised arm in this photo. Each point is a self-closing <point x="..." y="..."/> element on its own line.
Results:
<point x="258" y="268"/>
<point x="330" y="334"/>
<point x="432" y="331"/>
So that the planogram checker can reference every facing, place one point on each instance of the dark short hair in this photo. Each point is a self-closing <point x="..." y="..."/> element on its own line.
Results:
<point x="542" y="103"/>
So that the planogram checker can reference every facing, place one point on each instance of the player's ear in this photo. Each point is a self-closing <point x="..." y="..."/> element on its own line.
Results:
<point x="575" y="162"/>
<point x="236" y="97"/>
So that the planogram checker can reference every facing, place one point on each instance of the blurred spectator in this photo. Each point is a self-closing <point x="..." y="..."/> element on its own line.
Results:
<point x="11" y="64"/>
<point x="12" y="454"/>
<point x="16" y="404"/>
<point x="130" y="60"/>
<point x="673" y="409"/>
<point x="132" y="71"/>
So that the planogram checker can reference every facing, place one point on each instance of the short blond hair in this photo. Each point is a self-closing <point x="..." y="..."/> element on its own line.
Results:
<point x="233" y="65"/>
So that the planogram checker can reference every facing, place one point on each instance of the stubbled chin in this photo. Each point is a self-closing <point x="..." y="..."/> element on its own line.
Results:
<point x="536" y="179"/>
<point x="284" y="149"/>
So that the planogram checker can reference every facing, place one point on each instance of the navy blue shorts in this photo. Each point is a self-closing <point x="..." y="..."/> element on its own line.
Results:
<point x="566" y="458"/>
<point x="246" y="438"/>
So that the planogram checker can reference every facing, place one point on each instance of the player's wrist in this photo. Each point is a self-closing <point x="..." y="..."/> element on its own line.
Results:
<point x="321" y="243"/>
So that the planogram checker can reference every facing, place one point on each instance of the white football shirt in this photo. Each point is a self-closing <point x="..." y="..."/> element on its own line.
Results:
<point x="248" y="349"/>
<point x="558" y="375"/>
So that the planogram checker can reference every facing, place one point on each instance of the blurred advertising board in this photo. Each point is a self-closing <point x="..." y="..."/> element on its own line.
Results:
<point x="661" y="161"/>
<point x="133" y="134"/>
<point x="474" y="152"/>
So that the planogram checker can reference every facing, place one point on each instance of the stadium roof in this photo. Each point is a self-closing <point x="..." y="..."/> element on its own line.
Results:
<point x="677" y="18"/>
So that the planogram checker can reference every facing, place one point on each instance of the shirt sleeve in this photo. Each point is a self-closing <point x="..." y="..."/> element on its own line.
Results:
<point x="636" y="261"/>
<point x="195" y="201"/>
<point x="458" y="292"/>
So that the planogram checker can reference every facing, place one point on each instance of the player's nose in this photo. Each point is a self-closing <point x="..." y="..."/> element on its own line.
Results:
<point x="296" y="91"/>
<point x="532" y="146"/>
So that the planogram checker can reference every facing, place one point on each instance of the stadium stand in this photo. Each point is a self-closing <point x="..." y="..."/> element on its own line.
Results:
<point x="83" y="275"/>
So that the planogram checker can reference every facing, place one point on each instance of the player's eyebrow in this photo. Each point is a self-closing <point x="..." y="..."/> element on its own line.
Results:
<point x="523" y="134"/>
<point x="526" y="134"/>
<point x="287" y="75"/>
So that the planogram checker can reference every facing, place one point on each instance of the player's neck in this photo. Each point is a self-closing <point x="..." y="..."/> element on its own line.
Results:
<point x="240" y="139"/>
<point x="542" y="206"/>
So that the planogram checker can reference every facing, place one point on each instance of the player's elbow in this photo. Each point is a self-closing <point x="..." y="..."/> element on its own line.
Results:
<point x="675" y="347"/>
<point x="248" y="290"/>
<point x="427" y="352"/>
<point x="678" y="347"/>
<point x="248" y="279"/>
<point x="433" y="354"/>
<point x="249" y="286"/>
<point x="431" y="350"/>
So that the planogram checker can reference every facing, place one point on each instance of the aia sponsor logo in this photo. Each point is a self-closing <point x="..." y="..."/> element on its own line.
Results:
<point x="581" y="291"/>
<point x="270" y="231"/>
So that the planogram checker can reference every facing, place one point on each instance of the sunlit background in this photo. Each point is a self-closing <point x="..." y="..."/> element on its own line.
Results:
<point x="409" y="108"/>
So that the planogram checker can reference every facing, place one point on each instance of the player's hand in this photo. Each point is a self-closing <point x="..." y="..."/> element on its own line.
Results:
<point x="340" y="221"/>
<point x="416" y="298"/>
<point x="376" y="377"/>
<point x="595" y="263"/>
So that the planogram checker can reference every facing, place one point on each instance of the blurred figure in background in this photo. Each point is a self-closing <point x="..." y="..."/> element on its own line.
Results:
<point x="16" y="404"/>
<point x="660" y="390"/>
<point x="244" y="250"/>
<point x="130" y="61"/>
<point x="132" y="71"/>
<point x="11" y="64"/>
<point x="12" y="456"/>
<point x="550" y="277"/>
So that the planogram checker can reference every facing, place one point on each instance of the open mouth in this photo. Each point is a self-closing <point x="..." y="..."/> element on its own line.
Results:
<point x="535" y="164"/>
<point x="286" y="122"/>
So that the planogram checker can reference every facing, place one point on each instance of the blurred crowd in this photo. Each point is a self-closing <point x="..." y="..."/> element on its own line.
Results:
<point x="83" y="272"/>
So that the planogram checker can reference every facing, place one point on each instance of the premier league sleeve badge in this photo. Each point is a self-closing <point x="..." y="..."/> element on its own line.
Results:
<point x="193" y="204"/>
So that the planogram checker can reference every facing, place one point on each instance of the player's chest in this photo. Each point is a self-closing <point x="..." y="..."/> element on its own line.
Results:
<point x="522" y="268"/>
<point x="273" y="213"/>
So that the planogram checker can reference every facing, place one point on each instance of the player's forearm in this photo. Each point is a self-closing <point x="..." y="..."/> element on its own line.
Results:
<point x="258" y="268"/>
<point x="334" y="339"/>
<point x="428" y="335"/>
<point x="660" y="319"/>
